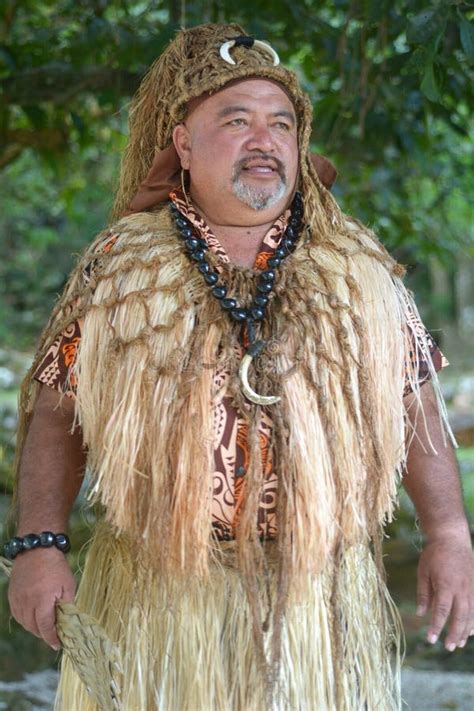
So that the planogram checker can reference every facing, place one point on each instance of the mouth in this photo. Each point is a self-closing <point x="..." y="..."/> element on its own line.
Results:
<point x="263" y="171"/>
<point x="260" y="168"/>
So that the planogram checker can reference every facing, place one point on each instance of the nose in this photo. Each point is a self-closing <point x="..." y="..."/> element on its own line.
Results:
<point x="260" y="139"/>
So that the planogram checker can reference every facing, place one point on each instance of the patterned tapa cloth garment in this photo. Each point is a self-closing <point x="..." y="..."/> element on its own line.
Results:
<point x="231" y="452"/>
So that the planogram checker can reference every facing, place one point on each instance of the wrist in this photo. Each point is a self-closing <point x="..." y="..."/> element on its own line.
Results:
<point x="454" y="531"/>
<point x="32" y="526"/>
<point x="44" y="539"/>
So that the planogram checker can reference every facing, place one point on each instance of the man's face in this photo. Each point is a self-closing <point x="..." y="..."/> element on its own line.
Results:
<point x="240" y="147"/>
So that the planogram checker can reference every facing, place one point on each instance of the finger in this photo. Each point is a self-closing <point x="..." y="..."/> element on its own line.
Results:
<point x="423" y="594"/>
<point x="468" y="627"/>
<point x="46" y="623"/>
<point x="25" y="618"/>
<point x="29" y="624"/>
<point x="68" y="593"/>
<point x="442" y="604"/>
<point x="458" y="622"/>
<point x="469" y="631"/>
<point x="16" y="608"/>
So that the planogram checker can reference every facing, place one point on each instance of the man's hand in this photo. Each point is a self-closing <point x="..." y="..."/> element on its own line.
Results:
<point x="51" y="473"/>
<point x="40" y="578"/>
<point x="446" y="567"/>
<point x="446" y="587"/>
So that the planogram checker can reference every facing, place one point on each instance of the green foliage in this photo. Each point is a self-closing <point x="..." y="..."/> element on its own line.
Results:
<point x="46" y="222"/>
<point x="365" y="63"/>
<point x="391" y="82"/>
<point x="465" y="457"/>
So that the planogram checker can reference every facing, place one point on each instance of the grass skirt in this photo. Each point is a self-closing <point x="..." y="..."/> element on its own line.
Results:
<point x="190" y="647"/>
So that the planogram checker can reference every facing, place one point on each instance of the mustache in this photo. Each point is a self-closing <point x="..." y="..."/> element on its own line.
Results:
<point x="275" y="163"/>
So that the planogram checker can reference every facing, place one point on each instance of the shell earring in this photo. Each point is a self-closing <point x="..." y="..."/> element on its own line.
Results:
<point x="183" y="187"/>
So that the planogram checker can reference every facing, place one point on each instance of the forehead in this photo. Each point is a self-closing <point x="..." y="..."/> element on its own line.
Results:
<point x="260" y="89"/>
<point x="254" y="92"/>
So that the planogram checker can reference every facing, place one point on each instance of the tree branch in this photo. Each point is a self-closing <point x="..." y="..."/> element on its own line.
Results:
<point x="58" y="83"/>
<point x="15" y="141"/>
<point x="9" y="155"/>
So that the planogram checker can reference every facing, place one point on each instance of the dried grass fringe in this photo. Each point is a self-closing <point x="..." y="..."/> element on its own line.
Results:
<point x="188" y="646"/>
<point x="338" y="328"/>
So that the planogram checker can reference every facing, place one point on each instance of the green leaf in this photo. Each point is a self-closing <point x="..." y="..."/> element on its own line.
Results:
<point x="466" y="31"/>
<point x="429" y="85"/>
<point x="7" y="59"/>
<point x="78" y="122"/>
<point x="42" y="237"/>
<point x="36" y="115"/>
<point x="417" y="61"/>
<point x="424" y="26"/>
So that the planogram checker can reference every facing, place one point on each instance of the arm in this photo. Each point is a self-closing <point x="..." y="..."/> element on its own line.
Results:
<point x="51" y="473"/>
<point x="446" y="567"/>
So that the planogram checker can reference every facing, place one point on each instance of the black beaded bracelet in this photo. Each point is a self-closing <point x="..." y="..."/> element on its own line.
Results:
<point x="46" y="539"/>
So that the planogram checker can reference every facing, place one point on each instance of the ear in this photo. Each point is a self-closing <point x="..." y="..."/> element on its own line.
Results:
<point x="182" y="143"/>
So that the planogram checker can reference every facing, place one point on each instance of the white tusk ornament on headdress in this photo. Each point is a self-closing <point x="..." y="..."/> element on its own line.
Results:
<point x="225" y="54"/>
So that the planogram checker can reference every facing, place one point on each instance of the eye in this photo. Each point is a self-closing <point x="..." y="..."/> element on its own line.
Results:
<point x="284" y="126"/>
<point x="237" y="122"/>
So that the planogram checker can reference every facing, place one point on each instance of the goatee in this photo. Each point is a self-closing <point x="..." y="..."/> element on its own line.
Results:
<point x="258" y="197"/>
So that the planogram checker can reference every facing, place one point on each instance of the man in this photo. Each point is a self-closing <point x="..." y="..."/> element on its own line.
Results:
<point x="249" y="378"/>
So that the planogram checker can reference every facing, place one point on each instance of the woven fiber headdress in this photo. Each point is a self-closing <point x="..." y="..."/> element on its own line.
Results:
<point x="198" y="62"/>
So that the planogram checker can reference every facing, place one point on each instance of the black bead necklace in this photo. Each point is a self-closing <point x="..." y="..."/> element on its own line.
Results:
<point x="197" y="248"/>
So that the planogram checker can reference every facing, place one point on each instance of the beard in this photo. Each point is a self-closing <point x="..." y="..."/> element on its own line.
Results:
<point x="258" y="197"/>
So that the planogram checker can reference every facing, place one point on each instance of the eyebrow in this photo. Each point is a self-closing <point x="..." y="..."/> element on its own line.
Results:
<point x="227" y="110"/>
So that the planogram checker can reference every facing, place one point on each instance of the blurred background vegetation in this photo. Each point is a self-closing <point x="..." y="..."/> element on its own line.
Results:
<point x="393" y="93"/>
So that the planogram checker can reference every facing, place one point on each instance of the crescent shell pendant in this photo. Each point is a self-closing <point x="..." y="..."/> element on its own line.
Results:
<point x="247" y="390"/>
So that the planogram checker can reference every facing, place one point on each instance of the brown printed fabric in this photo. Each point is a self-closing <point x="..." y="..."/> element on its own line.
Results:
<point x="231" y="451"/>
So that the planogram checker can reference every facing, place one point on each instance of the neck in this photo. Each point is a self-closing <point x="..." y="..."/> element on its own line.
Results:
<point x="242" y="243"/>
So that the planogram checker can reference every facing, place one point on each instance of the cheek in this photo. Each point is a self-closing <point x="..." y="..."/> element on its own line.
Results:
<point x="212" y="156"/>
<point x="210" y="143"/>
<point x="292" y="158"/>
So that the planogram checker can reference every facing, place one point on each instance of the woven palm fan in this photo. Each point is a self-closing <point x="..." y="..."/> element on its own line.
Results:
<point x="93" y="655"/>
